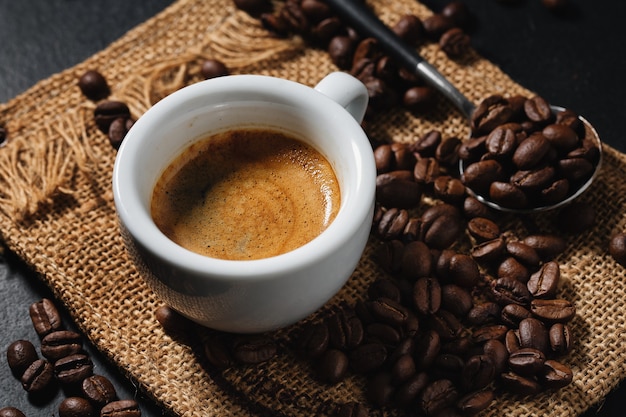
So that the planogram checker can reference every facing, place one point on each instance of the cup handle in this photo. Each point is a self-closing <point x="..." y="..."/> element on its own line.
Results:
<point x="346" y="90"/>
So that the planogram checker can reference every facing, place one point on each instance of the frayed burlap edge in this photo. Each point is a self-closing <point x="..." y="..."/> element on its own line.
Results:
<point x="56" y="212"/>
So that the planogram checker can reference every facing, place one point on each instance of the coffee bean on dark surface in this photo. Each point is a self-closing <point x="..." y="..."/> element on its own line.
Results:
<point x="617" y="248"/>
<point x="73" y="369"/>
<point x="11" y="412"/>
<point x="45" y="317"/>
<point x="98" y="389"/>
<point x="93" y="85"/>
<point x="121" y="408"/>
<point x="332" y="366"/>
<point x="76" y="407"/>
<point x="38" y="376"/>
<point x="20" y="355"/>
<point x="61" y="343"/>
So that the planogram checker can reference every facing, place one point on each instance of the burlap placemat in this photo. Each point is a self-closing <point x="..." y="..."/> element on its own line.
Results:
<point x="57" y="213"/>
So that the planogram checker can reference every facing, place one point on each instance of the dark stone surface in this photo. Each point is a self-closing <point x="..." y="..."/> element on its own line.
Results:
<point x="574" y="60"/>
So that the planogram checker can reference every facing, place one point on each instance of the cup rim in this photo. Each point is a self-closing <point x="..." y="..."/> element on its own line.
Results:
<point x="137" y="220"/>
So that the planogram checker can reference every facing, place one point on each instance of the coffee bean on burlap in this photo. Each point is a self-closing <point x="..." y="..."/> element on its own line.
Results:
<point x="99" y="390"/>
<point x="121" y="408"/>
<point x="93" y="85"/>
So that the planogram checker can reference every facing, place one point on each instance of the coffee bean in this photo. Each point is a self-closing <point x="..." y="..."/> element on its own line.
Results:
<point x="397" y="189"/>
<point x="446" y="325"/>
<point x="498" y="353"/>
<point x="427" y="347"/>
<point x="332" y="366"/>
<point x="463" y="270"/>
<point x="480" y="175"/>
<point x="254" y="349"/>
<point x="118" y="130"/>
<point x="537" y="109"/>
<point x="419" y="98"/>
<point x="512" y="268"/>
<point x="448" y="189"/>
<point x="546" y="246"/>
<point x="501" y="142"/>
<point x="561" y="136"/>
<point x="488" y="252"/>
<point x="458" y="12"/>
<point x="426" y="170"/>
<point x="511" y="341"/>
<point x="617" y="248"/>
<point x="61" y="343"/>
<point x="407" y="392"/>
<point x="493" y="111"/>
<point x="483" y="229"/>
<point x="389" y="311"/>
<point x="436" y="25"/>
<point x="340" y="50"/>
<point x="76" y="407"/>
<point x="392" y="223"/>
<point x="313" y="340"/>
<point x="484" y="313"/>
<point x="489" y="332"/>
<point x="560" y="338"/>
<point x="478" y="372"/>
<point x="523" y="252"/>
<point x="508" y="195"/>
<point x="409" y="28"/>
<point x="456" y="299"/>
<point x="11" y="412"/>
<point x="436" y="396"/>
<point x="534" y="179"/>
<point x="575" y="169"/>
<point x="121" y="408"/>
<point x="38" y="376"/>
<point x="345" y="329"/>
<point x="508" y="290"/>
<point x="447" y="151"/>
<point x="107" y="111"/>
<point x="384" y="333"/>
<point x="20" y="355"/>
<point x="513" y="314"/>
<point x="556" y="375"/>
<point x="218" y="351"/>
<point x="527" y="361"/>
<point x="172" y="321"/>
<point x="427" y="295"/>
<point x="213" y="68"/>
<point x="73" y="369"/>
<point x="544" y="283"/>
<point x="93" y="85"/>
<point x="520" y="385"/>
<point x="99" y="390"/>
<point x="45" y="317"/>
<point x="553" y="311"/>
<point x="475" y="402"/>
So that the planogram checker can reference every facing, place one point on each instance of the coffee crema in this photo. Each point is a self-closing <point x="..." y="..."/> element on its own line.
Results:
<point x="246" y="194"/>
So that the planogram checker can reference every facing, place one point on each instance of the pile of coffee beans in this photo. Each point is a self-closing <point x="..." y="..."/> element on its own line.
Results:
<point x="64" y="364"/>
<point x="387" y="83"/>
<point x="524" y="155"/>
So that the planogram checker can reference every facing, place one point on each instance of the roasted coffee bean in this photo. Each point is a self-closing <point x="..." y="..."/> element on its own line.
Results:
<point x="484" y="313"/>
<point x="561" y="136"/>
<point x="121" y="408"/>
<point x="345" y="329"/>
<point x="218" y="351"/>
<point x="456" y="299"/>
<point x="555" y="192"/>
<point x="213" y="68"/>
<point x="384" y="287"/>
<point x="560" y="338"/>
<point x="455" y="42"/>
<point x="544" y="282"/>
<point x="447" y="365"/>
<point x="323" y="31"/>
<point x="76" y="407"/>
<point x="427" y="347"/>
<point x="446" y="153"/>
<point x="172" y="321"/>
<point x="446" y="325"/>
<point x="508" y="195"/>
<point x="463" y="270"/>
<point x="546" y="246"/>
<point x="11" y="412"/>
<point x="513" y="314"/>
<point x="118" y="130"/>
<point x="489" y="332"/>
<point x="523" y="253"/>
<point x="472" y="207"/>
<point x="575" y="169"/>
<point x="617" y="248"/>
<point x="472" y="149"/>
<point x="402" y="369"/>
<point x="392" y="224"/>
<point x="409" y="28"/>
<point x="389" y="311"/>
<point x="275" y="23"/>
<point x="512" y="268"/>
<point x="20" y="355"/>
<point x="340" y="50"/>
<point x="508" y="290"/>
<point x="38" y="376"/>
<point x="394" y="157"/>
<point x="534" y="179"/>
<point x="45" y="317"/>
<point x="553" y="311"/>
<point x="368" y="357"/>
<point x="537" y="109"/>
<point x="511" y="341"/>
<point x="493" y="111"/>
<point x="99" y="390"/>
<point x="419" y="98"/>
<point x="389" y="256"/>
<point x="576" y="217"/>
<point x="475" y="402"/>
<point x="93" y="85"/>
<point x="436" y="396"/>
<point x="379" y="389"/>
<point x="407" y="392"/>
<point x="296" y="20"/>
<point x="448" y="189"/>
<point x="398" y="189"/>
<point x="254" y="349"/>
<point x="556" y="375"/>
<point x="61" y="343"/>
<point x="107" y="111"/>
<point x="417" y="260"/>
<point x="352" y="409"/>
<point x="436" y="25"/>
<point x="427" y="144"/>
<point x="73" y="369"/>
<point x="383" y="333"/>
<point x="478" y="372"/>
<point x="427" y="295"/>
<point x="426" y="170"/>
<point x="489" y="251"/>
<point x="520" y="385"/>
<point x="501" y="142"/>
<point x="527" y="361"/>
<point x="480" y="175"/>
<point x="313" y="340"/>
<point x="332" y="366"/>
<point x="458" y="12"/>
<point x="498" y="353"/>
<point x="483" y="229"/>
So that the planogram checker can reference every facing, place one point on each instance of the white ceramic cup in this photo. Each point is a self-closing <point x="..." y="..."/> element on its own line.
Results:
<point x="256" y="295"/>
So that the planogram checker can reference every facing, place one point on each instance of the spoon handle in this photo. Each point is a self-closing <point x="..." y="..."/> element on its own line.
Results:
<point x="356" y="14"/>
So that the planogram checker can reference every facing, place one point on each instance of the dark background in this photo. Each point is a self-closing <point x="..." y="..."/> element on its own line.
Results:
<point x="574" y="59"/>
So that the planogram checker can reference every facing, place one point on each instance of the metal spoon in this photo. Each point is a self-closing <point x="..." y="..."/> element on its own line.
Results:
<point x="360" y="18"/>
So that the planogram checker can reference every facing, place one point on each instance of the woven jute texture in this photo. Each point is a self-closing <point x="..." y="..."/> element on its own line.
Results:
<point x="57" y="213"/>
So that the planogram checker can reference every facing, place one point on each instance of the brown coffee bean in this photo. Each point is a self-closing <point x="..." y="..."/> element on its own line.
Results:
<point x="61" y="343"/>
<point x="478" y="372"/>
<point x="530" y="151"/>
<point x="20" y="355"/>
<point x="448" y="189"/>
<point x="508" y="195"/>
<point x="480" y="175"/>
<point x="436" y="396"/>
<point x="73" y="369"/>
<point x="417" y="260"/>
<point x="76" y="407"/>
<point x="537" y="109"/>
<point x="427" y="347"/>
<point x="218" y="351"/>
<point x="213" y="68"/>
<point x="483" y="229"/>
<point x="556" y="375"/>
<point x="340" y="50"/>
<point x="520" y="385"/>
<point x="121" y="408"/>
<point x="45" y="317"/>
<point x="407" y="392"/>
<point x="426" y="170"/>
<point x="508" y="290"/>
<point x="523" y="253"/>
<point x="575" y="169"/>
<point x="447" y="151"/>
<point x="402" y="369"/>
<point x="409" y="28"/>
<point x="464" y="270"/>
<point x="512" y="268"/>
<point x="455" y="42"/>
<point x="107" y="111"/>
<point x="511" y="341"/>
<point x="498" y="353"/>
<point x="419" y="98"/>
<point x="332" y="366"/>
<point x="383" y="333"/>
<point x="172" y="322"/>
<point x="345" y="329"/>
<point x="561" y="136"/>
<point x="513" y="314"/>
<point x="484" y="313"/>
<point x="456" y="299"/>
<point x="488" y="252"/>
<point x="99" y="390"/>
<point x="38" y="376"/>
<point x="560" y="338"/>
<point x="489" y="332"/>
<point x="436" y="25"/>
<point x="475" y="402"/>
<point x="392" y="224"/>
<point x="118" y="130"/>
<point x="546" y="246"/>
<point x="313" y="340"/>
<point x="493" y="111"/>
<point x="368" y="357"/>
<point x="544" y="282"/>
<point x="93" y="85"/>
<point x="532" y="180"/>
<point x="446" y="324"/>
<point x="389" y="311"/>
<point x="427" y="295"/>
<point x="533" y="334"/>
<point x="384" y="287"/>
<point x="398" y="189"/>
<point x="501" y="142"/>
<point x="11" y="412"/>
<point x="254" y="349"/>
<point x="555" y="192"/>
<point x="527" y="361"/>
<point x="553" y="311"/>
<point x="472" y="149"/>
<point x="617" y="248"/>
<point x="472" y="207"/>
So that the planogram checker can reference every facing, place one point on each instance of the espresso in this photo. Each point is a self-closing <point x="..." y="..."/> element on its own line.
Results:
<point x="246" y="194"/>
